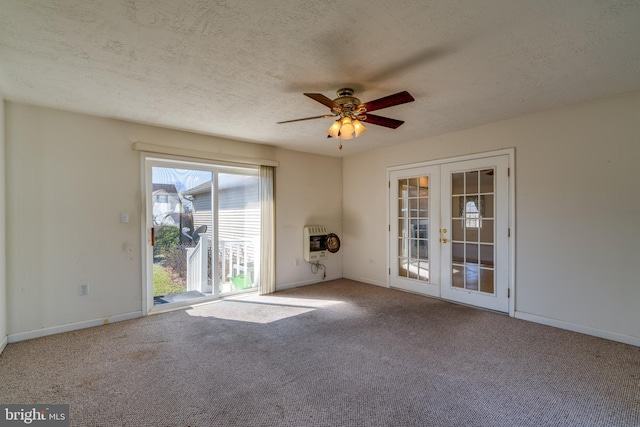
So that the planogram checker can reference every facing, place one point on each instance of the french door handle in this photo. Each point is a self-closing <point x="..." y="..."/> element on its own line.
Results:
<point x="444" y="240"/>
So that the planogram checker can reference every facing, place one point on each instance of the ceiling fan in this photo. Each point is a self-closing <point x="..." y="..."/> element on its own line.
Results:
<point x="350" y="112"/>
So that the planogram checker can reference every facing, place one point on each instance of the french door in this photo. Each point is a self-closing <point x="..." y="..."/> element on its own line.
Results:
<point x="449" y="231"/>
<point x="415" y="211"/>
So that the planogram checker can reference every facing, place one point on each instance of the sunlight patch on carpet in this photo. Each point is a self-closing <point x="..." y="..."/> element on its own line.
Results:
<point x="259" y="309"/>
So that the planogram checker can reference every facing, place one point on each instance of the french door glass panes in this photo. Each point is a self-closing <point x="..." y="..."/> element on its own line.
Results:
<point x="414" y="254"/>
<point x="472" y="237"/>
<point x="413" y="226"/>
<point x="448" y="231"/>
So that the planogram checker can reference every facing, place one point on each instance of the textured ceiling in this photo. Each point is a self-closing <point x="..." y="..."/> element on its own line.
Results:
<point x="235" y="68"/>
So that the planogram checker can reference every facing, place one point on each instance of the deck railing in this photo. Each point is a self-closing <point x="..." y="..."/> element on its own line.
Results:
<point x="198" y="266"/>
<point x="238" y="259"/>
<point x="236" y="264"/>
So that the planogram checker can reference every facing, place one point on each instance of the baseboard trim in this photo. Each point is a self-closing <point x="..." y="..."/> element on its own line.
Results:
<point x="305" y="283"/>
<point x="72" y="327"/>
<point x="367" y="281"/>
<point x="625" y="339"/>
<point x="3" y="344"/>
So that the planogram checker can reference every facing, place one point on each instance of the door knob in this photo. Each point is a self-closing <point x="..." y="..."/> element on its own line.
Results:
<point x="444" y="240"/>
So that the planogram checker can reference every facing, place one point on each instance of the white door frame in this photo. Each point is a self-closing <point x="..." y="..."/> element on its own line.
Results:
<point x="511" y="223"/>
<point x="147" y="162"/>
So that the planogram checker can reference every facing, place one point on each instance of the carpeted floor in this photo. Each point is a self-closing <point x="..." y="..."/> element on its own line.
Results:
<point x="339" y="353"/>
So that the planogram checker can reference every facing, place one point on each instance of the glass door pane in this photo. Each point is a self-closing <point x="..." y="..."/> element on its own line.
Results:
<point x="413" y="228"/>
<point x="206" y="230"/>
<point x="180" y="237"/>
<point x="238" y="231"/>
<point x="472" y="239"/>
<point x="413" y="218"/>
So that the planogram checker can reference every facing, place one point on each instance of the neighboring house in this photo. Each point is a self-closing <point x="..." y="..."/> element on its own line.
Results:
<point x="200" y="197"/>
<point x="166" y="205"/>
<point x="238" y="220"/>
<point x="238" y="207"/>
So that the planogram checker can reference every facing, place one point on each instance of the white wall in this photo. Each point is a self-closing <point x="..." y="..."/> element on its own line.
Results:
<point x="577" y="211"/>
<point x="308" y="192"/>
<point x="3" y="265"/>
<point x="68" y="178"/>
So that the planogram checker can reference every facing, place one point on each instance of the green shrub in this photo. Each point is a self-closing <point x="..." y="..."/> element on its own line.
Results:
<point x="166" y="238"/>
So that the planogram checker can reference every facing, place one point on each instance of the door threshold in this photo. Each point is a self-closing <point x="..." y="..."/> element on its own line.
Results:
<point x="448" y="300"/>
<point x="181" y="305"/>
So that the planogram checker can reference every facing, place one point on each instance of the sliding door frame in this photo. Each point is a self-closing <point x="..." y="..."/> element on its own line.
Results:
<point x="147" y="162"/>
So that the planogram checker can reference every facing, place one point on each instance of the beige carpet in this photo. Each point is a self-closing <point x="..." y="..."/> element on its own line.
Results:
<point x="339" y="353"/>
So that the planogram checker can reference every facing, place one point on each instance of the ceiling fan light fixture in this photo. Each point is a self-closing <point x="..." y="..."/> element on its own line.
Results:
<point x="334" y="130"/>
<point x="347" y="111"/>
<point x="358" y="127"/>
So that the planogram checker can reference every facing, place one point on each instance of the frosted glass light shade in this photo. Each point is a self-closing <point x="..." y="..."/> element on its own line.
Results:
<point x="347" y="129"/>
<point x="344" y="134"/>
<point x="334" y="130"/>
<point x="359" y="127"/>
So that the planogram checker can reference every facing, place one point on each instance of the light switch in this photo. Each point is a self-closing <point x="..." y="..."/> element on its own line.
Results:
<point x="124" y="217"/>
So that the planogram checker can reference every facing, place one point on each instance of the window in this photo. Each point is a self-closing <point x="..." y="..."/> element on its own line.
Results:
<point x="472" y="214"/>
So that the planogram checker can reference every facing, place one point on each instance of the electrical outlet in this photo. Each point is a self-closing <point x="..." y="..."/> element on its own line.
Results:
<point x="297" y="262"/>
<point x="84" y="289"/>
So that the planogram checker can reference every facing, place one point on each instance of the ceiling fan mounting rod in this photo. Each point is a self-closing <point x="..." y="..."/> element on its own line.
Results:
<point x="345" y="91"/>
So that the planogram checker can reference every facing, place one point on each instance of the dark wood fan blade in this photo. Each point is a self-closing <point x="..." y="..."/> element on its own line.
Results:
<point x="382" y="121"/>
<point x="307" y="118"/>
<point x="323" y="100"/>
<point x="389" y="101"/>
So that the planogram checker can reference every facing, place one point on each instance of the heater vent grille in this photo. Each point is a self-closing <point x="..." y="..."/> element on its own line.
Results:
<point x="314" y="243"/>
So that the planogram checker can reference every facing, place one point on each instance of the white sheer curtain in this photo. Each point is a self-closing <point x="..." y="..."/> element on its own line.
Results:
<point x="267" y="231"/>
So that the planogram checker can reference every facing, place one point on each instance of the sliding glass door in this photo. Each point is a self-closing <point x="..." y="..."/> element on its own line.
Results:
<point x="204" y="230"/>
